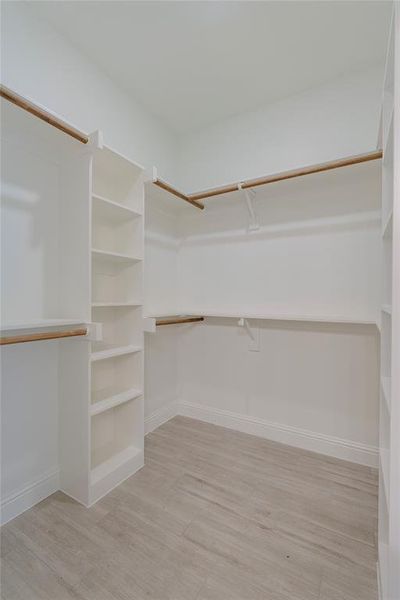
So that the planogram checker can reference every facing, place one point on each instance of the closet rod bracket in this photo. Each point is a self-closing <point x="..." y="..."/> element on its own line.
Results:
<point x="249" y="196"/>
<point x="94" y="332"/>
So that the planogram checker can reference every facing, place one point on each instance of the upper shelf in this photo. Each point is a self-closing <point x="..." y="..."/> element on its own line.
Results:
<point x="164" y="197"/>
<point x="115" y="257"/>
<point x="339" y="319"/>
<point x="179" y="198"/>
<point x="110" y="211"/>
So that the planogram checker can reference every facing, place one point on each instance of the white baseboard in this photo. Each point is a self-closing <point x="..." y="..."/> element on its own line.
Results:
<point x="160" y="416"/>
<point x="18" y="502"/>
<point x="286" y="434"/>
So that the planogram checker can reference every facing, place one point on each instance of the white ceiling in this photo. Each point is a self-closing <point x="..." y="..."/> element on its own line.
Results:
<point x="193" y="63"/>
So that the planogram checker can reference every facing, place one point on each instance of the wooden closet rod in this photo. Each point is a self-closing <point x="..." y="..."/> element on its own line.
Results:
<point x="37" y="337"/>
<point x="165" y="186"/>
<point x="42" y="114"/>
<point x="251" y="183"/>
<point x="178" y="320"/>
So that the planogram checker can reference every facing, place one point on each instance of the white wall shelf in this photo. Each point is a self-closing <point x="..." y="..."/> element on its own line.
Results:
<point x="111" y="352"/>
<point x="114" y="304"/>
<point x="114" y="257"/>
<point x="108" y="467"/>
<point x="100" y="406"/>
<point x="266" y="316"/>
<point x="110" y="211"/>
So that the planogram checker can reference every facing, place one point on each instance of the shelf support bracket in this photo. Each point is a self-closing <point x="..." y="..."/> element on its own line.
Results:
<point x="254" y="342"/>
<point x="249" y="196"/>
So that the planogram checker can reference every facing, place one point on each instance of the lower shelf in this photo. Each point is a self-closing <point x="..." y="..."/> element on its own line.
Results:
<point x="112" y="400"/>
<point x="112" y="351"/>
<point x="113" y="471"/>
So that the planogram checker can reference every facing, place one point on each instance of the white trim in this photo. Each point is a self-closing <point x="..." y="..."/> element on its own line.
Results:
<point x="286" y="434"/>
<point x="48" y="484"/>
<point x="159" y="417"/>
<point x="18" y="502"/>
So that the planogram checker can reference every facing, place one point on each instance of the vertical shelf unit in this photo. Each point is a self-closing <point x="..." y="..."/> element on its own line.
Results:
<point x="116" y="363"/>
<point x="389" y="422"/>
<point x="72" y="252"/>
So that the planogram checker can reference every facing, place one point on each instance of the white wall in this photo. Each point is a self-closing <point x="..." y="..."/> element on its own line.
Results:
<point x="41" y="64"/>
<point x="317" y="252"/>
<point x="29" y="435"/>
<point x="311" y="385"/>
<point x="335" y="120"/>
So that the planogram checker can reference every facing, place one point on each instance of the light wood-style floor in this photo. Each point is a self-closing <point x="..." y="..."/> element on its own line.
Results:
<point x="214" y="515"/>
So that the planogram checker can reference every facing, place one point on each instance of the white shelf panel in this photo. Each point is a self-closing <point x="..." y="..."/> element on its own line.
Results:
<point x="40" y="324"/>
<point x="266" y="316"/>
<point x="100" y="406"/>
<point x="108" y="210"/>
<point x="114" y="257"/>
<point x="113" y="464"/>
<point x="115" y="304"/>
<point x="387" y="309"/>
<point x="111" y="352"/>
<point x="386" y="391"/>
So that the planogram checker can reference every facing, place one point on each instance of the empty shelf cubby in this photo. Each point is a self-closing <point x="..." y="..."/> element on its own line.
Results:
<point x="118" y="179"/>
<point x="119" y="235"/>
<point x="114" y="433"/>
<point x="116" y="281"/>
<point x="121" y="326"/>
<point x="116" y="376"/>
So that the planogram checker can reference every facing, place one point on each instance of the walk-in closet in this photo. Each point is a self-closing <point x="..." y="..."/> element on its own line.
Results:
<point x="200" y="300"/>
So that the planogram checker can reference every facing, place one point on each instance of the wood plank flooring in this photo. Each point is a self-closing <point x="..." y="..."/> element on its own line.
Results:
<point x="214" y="515"/>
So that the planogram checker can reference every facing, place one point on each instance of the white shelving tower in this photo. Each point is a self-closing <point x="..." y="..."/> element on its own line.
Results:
<point x="116" y="363"/>
<point x="72" y="254"/>
<point x="389" y="442"/>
